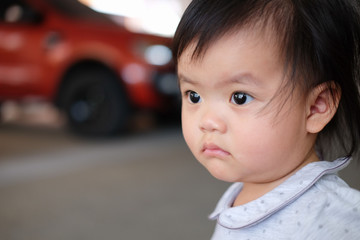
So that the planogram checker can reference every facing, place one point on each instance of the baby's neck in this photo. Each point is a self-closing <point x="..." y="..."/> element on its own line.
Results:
<point x="253" y="191"/>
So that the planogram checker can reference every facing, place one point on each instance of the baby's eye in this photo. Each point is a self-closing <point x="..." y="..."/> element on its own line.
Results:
<point x="193" y="97"/>
<point x="241" y="98"/>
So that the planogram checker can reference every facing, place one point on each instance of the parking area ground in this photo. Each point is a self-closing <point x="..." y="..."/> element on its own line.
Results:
<point x="146" y="185"/>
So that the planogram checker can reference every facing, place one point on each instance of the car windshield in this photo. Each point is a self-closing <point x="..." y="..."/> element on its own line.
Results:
<point x="76" y="9"/>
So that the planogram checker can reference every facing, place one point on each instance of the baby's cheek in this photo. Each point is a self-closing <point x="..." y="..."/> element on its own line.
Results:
<point x="189" y="142"/>
<point x="189" y="136"/>
<point x="256" y="146"/>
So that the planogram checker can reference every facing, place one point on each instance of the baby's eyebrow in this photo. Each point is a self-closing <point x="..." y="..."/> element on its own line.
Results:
<point x="242" y="78"/>
<point x="182" y="78"/>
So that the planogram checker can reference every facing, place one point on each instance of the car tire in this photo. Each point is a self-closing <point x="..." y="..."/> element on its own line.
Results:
<point x="1" y="112"/>
<point x="95" y="103"/>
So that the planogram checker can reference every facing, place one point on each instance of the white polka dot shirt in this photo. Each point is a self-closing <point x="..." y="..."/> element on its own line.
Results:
<point x="314" y="203"/>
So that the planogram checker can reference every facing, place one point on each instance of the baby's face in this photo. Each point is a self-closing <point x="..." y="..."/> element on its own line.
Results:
<point x="234" y="117"/>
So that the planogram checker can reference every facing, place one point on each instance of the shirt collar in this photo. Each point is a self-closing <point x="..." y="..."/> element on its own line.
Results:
<point x="256" y="211"/>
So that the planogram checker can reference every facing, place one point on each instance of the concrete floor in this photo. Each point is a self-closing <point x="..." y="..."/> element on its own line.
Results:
<point x="146" y="186"/>
<point x="55" y="186"/>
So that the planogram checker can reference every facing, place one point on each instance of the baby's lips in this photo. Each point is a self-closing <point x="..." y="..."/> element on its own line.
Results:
<point x="211" y="149"/>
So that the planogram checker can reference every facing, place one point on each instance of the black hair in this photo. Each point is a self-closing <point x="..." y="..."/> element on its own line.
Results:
<point x="319" y="42"/>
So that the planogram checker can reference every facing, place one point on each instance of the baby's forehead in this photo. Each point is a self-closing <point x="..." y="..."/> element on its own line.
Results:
<point x="254" y="38"/>
<point x="250" y="53"/>
<point x="232" y="54"/>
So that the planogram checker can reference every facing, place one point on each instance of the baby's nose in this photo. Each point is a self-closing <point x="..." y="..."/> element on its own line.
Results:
<point x="212" y="120"/>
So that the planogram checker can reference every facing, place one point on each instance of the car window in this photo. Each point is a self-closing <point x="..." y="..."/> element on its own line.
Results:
<point x="17" y="11"/>
<point x="75" y="9"/>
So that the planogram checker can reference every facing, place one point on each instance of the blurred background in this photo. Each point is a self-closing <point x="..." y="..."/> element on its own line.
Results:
<point x="90" y="138"/>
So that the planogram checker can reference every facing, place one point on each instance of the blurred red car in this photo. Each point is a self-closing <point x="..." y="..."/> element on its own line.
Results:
<point x="93" y="69"/>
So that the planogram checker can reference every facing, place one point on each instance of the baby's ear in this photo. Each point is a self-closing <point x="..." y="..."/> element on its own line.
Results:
<point x="322" y="104"/>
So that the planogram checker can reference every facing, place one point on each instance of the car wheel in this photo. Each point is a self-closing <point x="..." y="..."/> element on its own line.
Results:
<point x="1" y="112"/>
<point x="94" y="103"/>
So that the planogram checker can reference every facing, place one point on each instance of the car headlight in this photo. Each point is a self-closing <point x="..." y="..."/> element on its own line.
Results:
<point x="158" y="55"/>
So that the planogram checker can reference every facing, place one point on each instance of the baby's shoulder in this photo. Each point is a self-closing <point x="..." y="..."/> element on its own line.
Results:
<point x="330" y="209"/>
<point x="335" y="192"/>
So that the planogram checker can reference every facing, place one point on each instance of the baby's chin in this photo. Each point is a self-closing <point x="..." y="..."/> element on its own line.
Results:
<point x="222" y="173"/>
